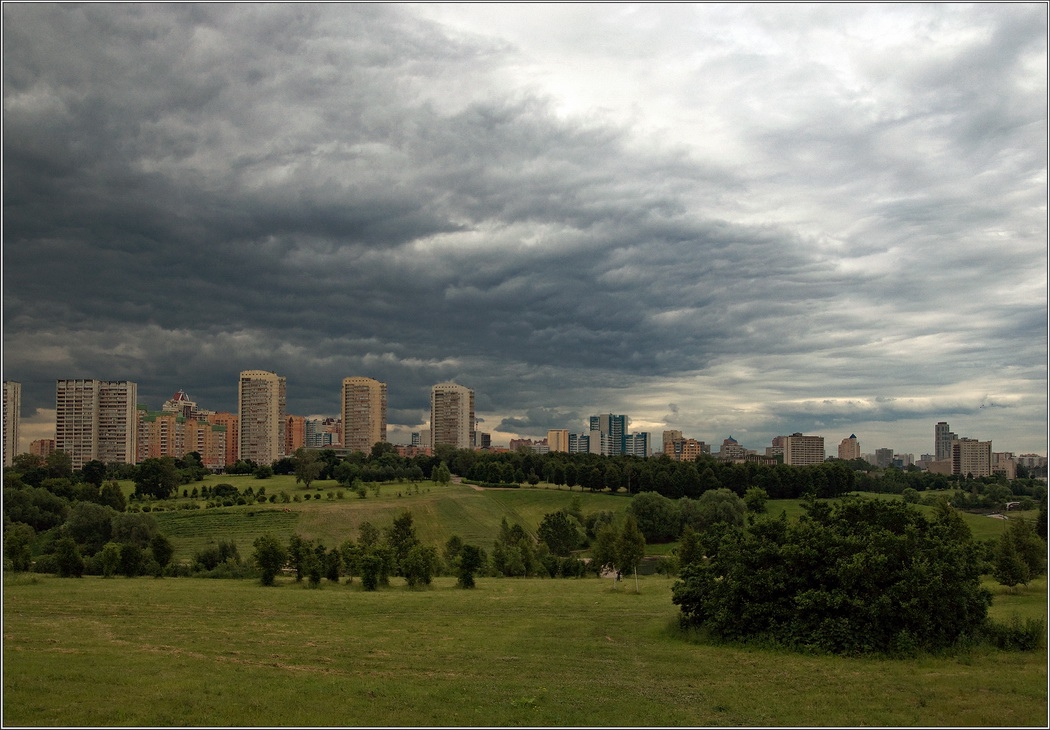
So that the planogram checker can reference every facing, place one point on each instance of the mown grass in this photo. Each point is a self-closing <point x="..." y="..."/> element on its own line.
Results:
<point x="513" y="652"/>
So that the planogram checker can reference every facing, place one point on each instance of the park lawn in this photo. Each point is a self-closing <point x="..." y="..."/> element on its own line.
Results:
<point x="513" y="652"/>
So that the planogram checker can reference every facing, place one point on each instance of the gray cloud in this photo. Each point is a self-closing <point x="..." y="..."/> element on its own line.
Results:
<point x="191" y="190"/>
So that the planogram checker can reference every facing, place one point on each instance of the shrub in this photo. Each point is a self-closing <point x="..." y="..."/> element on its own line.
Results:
<point x="861" y="576"/>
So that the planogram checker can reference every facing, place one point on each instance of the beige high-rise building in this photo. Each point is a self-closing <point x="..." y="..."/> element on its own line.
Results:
<point x="849" y="448"/>
<point x="802" y="450"/>
<point x="96" y="420"/>
<point x="970" y="456"/>
<point x="364" y="413"/>
<point x="12" y="417"/>
<point x="229" y="425"/>
<point x="669" y="438"/>
<point x="262" y="418"/>
<point x="558" y="440"/>
<point x="452" y="416"/>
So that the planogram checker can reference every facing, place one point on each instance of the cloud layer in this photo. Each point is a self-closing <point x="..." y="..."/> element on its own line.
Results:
<point x="826" y="219"/>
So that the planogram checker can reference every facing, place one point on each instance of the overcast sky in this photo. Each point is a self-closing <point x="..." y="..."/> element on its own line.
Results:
<point x="744" y="220"/>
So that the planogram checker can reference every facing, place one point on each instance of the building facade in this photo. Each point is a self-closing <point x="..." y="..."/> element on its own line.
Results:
<point x="558" y="440"/>
<point x="229" y="425"/>
<point x="261" y="416"/>
<point x="12" y="417"/>
<point x="452" y="416"/>
<point x="42" y="447"/>
<point x="613" y="433"/>
<point x="942" y="441"/>
<point x="849" y="448"/>
<point x="802" y="450"/>
<point x="96" y="420"/>
<point x="364" y="404"/>
<point x="971" y="457"/>
<point x="294" y="434"/>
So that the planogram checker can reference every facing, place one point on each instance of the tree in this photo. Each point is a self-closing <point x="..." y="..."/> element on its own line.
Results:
<point x="471" y="560"/>
<point x="657" y="516"/>
<point x="689" y="550"/>
<point x="308" y="466"/>
<point x="401" y="537"/>
<point x="59" y="464"/>
<point x="755" y="499"/>
<point x="130" y="559"/>
<point x="67" y="558"/>
<point x="109" y="558"/>
<point x="1020" y="554"/>
<point x="561" y="532"/>
<point x="91" y="525"/>
<point x="93" y="472"/>
<point x="162" y="549"/>
<point x="263" y="472"/>
<point x="630" y="547"/>
<point x="18" y="546"/>
<point x="112" y="496"/>
<point x="441" y="474"/>
<point x="862" y="575"/>
<point x="156" y="478"/>
<point x="720" y="505"/>
<point x="419" y="565"/>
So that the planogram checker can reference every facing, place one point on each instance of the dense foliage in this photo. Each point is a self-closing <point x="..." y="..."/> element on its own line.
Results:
<point x="860" y="575"/>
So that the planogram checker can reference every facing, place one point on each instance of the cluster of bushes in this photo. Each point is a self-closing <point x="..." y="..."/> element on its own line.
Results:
<point x="858" y="576"/>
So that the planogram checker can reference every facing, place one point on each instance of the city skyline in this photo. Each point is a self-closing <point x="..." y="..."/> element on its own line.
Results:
<point x="370" y="397"/>
<point x="724" y="219"/>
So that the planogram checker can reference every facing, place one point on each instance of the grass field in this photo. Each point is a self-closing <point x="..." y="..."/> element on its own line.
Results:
<point x="439" y="511"/>
<point x="513" y="652"/>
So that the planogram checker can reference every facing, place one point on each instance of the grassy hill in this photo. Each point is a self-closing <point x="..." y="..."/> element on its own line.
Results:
<point x="438" y="511"/>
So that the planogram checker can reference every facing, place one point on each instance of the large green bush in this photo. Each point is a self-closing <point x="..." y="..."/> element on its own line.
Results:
<point x="860" y="576"/>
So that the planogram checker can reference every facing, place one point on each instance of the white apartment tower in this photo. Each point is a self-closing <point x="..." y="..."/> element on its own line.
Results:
<point x="452" y="416"/>
<point x="12" y="415"/>
<point x="364" y="413"/>
<point x="262" y="417"/>
<point x="96" y="420"/>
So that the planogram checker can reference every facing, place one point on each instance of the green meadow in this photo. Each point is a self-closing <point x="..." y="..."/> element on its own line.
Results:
<point x="579" y="652"/>
<point x="535" y="652"/>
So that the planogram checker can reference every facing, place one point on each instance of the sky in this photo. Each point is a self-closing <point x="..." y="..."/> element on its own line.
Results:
<point x="742" y="220"/>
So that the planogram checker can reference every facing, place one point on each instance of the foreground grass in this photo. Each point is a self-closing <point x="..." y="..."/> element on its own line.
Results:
<point x="512" y="652"/>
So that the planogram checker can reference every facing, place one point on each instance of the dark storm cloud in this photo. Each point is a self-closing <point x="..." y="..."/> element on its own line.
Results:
<point x="333" y="190"/>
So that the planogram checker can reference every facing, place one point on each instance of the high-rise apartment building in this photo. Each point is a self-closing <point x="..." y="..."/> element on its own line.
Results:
<point x="849" y="448"/>
<point x="558" y="440"/>
<point x="452" y="416"/>
<point x="262" y="418"/>
<point x="96" y="420"/>
<point x="668" y="440"/>
<point x="294" y="434"/>
<point x="683" y="449"/>
<point x="802" y="450"/>
<point x="942" y="441"/>
<point x="12" y="416"/>
<point x="971" y="457"/>
<point x="229" y="426"/>
<point x="613" y="430"/>
<point x="636" y="444"/>
<point x="364" y="413"/>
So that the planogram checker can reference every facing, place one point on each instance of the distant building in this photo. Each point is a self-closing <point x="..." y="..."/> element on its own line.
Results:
<point x="612" y="433"/>
<point x="261" y="397"/>
<point x="802" y="450"/>
<point x="683" y="449"/>
<point x="849" y="448"/>
<point x="558" y="440"/>
<point x="942" y="441"/>
<point x="669" y="437"/>
<point x="579" y="443"/>
<point x="883" y="458"/>
<point x="180" y="403"/>
<point x="1005" y="463"/>
<point x="732" y="450"/>
<point x="636" y="444"/>
<point x="42" y="447"/>
<point x="294" y="434"/>
<point x="318" y="435"/>
<point x="12" y="419"/>
<point x="229" y="426"/>
<point x="364" y="405"/>
<point x="96" y="420"/>
<point x="452" y="416"/>
<point x="972" y="457"/>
